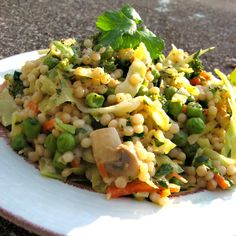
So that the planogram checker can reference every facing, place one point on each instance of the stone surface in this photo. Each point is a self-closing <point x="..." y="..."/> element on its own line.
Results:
<point x="191" y="25"/>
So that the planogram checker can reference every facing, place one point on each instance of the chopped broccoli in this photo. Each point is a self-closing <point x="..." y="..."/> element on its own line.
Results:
<point x="16" y="86"/>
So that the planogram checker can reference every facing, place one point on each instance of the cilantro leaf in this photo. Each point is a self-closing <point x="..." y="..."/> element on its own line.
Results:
<point x="109" y="21"/>
<point x="131" y="13"/>
<point x="122" y="29"/>
<point x="154" y="44"/>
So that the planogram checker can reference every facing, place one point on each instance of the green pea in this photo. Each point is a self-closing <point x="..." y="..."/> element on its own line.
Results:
<point x="180" y="139"/>
<point x="57" y="162"/>
<point x="94" y="100"/>
<point x="174" y="108"/>
<point x="51" y="62"/>
<point x="194" y="109"/>
<point x="31" y="128"/>
<point x="65" y="142"/>
<point x="50" y="143"/>
<point x="169" y="92"/>
<point x="195" y="125"/>
<point x="18" y="142"/>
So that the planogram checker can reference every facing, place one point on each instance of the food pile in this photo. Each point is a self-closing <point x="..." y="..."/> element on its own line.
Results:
<point x="115" y="113"/>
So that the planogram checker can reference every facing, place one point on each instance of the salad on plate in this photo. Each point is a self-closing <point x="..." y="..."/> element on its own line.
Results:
<point x="114" y="113"/>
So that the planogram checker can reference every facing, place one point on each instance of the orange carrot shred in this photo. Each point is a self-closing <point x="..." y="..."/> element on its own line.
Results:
<point x="221" y="181"/>
<point x="49" y="125"/>
<point x="195" y="81"/>
<point x="33" y="106"/>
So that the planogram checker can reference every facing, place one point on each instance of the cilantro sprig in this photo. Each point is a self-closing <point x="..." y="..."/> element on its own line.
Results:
<point x="124" y="29"/>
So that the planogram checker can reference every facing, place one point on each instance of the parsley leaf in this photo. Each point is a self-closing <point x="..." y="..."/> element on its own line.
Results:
<point x="122" y="29"/>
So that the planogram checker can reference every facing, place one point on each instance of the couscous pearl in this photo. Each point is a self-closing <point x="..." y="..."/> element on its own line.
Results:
<point x="209" y="175"/>
<point x="138" y="129"/>
<point x="190" y="170"/>
<point x="86" y="59"/>
<point x="128" y="131"/>
<point x="192" y="179"/>
<point x="111" y="99"/>
<point x="33" y="156"/>
<point x="39" y="149"/>
<point x="118" y="73"/>
<point x="211" y="184"/>
<point x="209" y="95"/>
<point x="137" y="119"/>
<point x="96" y="56"/>
<point x="135" y="79"/>
<point x="174" y="128"/>
<point x="216" y="163"/>
<point x="181" y="156"/>
<point x="154" y="90"/>
<point x="181" y="118"/>
<point x="120" y="97"/>
<point x="121" y="182"/>
<point x="201" y="182"/>
<point x="222" y="170"/>
<point x="79" y="123"/>
<point x="212" y="111"/>
<point x="66" y="117"/>
<point x="41" y="118"/>
<point x="67" y="157"/>
<point x="88" y="43"/>
<point x="231" y="170"/>
<point x="113" y="123"/>
<point x="79" y="92"/>
<point x="85" y="143"/>
<point x="201" y="170"/>
<point x="105" y="119"/>
<point x="122" y="123"/>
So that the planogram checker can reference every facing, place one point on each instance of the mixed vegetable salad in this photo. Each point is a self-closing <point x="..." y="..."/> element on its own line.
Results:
<point x="113" y="112"/>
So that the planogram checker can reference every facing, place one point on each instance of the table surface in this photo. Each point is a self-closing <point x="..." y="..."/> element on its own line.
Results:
<point x="191" y="25"/>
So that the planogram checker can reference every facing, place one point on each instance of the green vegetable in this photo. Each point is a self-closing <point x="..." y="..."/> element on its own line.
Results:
<point x="51" y="143"/>
<point x="195" y="125"/>
<point x="31" y="128"/>
<point x="163" y="170"/>
<point x="47" y="169"/>
<point x="65" y="127"/>
<point x="190" y="151"/>
<point x="196" y="65"/>
<point x="202" y="160"/>
<point x="194" y="109"/>
<point x="169" y="92"/>
<point x="174" y="108"/>
<point x="176" y="181"/>
<point x="122" y="29"/>
<point x="108" y="53"/>
<point x="57" y="161"/>
<point x="229" y="148"/>
<point x="180" y="139"/>
<point x="163" y="159"/>
<point x="51" y="62"/>
<point x="18" y="142"/>
<point x="65" y="142"/>
<point x="143" y="90"/>
<point x="60" y="49"/>
<point x="94" y="100"/>
<point x="16" y="86"/>
<point x="190" y="99"/>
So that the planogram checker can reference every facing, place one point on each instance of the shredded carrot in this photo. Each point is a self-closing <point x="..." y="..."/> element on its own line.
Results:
<point x="49" y="125"/>
<point x="179" y="177"/>
<point x="75" y="163"/>
<point x="184" y="108"/>
<point x="132" y="187"/>
<point x="102" y="170"/>
<point x="33" y="106"/>
<point x="205" y="75"/>
<point x="195" y="81"/>
<point x="165" y="192"/>
<point x="174" y="188"/>
<point x="221" y="181"/>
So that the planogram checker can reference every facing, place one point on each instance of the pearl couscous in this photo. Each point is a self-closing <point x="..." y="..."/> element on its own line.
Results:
<point x="127" y="122"/>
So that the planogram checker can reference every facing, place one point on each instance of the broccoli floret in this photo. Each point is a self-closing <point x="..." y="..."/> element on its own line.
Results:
<point x="16" y="86"/>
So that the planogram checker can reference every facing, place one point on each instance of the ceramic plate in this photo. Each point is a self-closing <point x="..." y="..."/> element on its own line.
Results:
<point x="50" y="207"/>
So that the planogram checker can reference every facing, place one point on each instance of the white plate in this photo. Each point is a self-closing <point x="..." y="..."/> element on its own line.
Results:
<point x="39" y="203"/>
